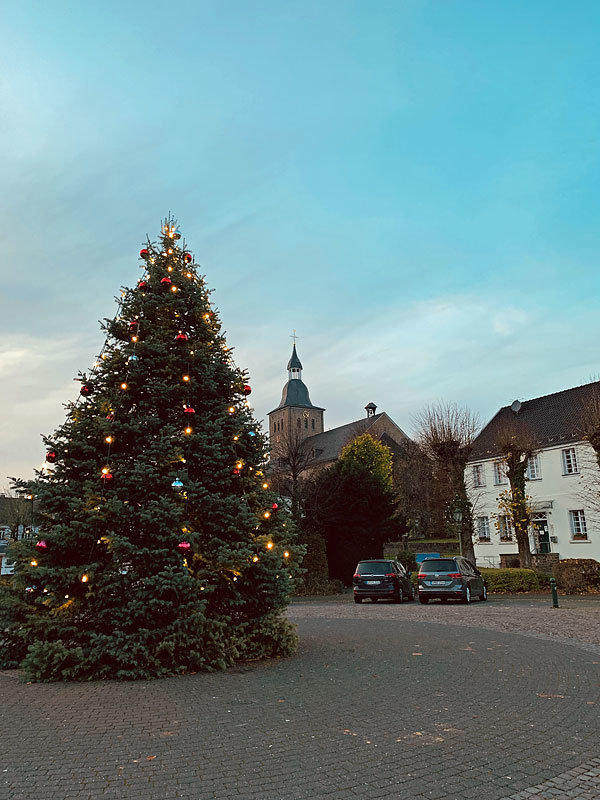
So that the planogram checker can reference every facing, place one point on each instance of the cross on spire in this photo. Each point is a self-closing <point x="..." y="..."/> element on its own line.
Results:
<point x="293" y="336"/>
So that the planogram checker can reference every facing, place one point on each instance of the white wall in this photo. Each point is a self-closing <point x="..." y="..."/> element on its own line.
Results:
<point x="554" y="493"/>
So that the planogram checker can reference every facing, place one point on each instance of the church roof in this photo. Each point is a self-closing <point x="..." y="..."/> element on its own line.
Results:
<point x="327" y="445"/>
<point x="295" y="393"/>
<point x="294" y="362"/>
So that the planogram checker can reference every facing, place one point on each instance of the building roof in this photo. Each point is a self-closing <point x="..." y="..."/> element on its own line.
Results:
<point x="295" y="393"/>
<point x="553" y="419"/>
<point x="327" y="445"/>
<point x="294" y="362"/>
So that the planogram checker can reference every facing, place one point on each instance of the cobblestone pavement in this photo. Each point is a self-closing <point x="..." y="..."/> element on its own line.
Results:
<point x="381" y="701"/>
<point x="577" y="619"/>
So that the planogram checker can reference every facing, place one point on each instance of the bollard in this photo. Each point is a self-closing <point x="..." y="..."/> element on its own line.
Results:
<point x="554" y="593"/>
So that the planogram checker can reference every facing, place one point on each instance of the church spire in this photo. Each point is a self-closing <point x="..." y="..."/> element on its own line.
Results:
<point x="294" y="366"/>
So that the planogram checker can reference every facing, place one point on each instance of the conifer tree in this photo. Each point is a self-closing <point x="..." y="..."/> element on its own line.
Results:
<point x="162" y="549"/>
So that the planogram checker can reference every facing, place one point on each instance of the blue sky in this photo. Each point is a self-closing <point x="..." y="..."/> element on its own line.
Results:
<point x="411" y="185"/>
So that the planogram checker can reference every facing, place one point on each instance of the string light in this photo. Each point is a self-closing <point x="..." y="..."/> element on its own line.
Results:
<point x="185" y="378"/>
<point x="188" y="274"/>
<point x="187" y="430"/>
<point x="235" y="438"/>
<point x="265" y="485"/>
<point x="84" y="578"/>
<point x="134" y="339"/>
<point x="239" y="465"/>
<point x="33" y="563"/>
<point x="231" y="410"/>
<point x="169" y="269"/>
<point x="109" y="440"/>
<point x="173" y="288"/>
<point x="286" y="554"/>
<point x="267" y="514"/>
<point x="124" y="386"/>
<point x="255" y="559"/>
<point x="269" y="545"/>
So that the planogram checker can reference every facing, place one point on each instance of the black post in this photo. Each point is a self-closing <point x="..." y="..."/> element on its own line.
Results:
<point x="554" y="593"/>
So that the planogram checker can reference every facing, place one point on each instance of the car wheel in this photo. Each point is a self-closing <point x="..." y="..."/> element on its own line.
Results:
<point x="466" y="598"/>
<point x="358" y="599"/>
<point x="483" y="595"/>
<point x="423" y="600"/>
<point x="398" y="597"/>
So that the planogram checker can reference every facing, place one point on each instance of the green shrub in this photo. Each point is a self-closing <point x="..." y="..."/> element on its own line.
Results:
<point x="407" y="559"/>
<point x="509" y="581"/>
<point x="577" y="575"/>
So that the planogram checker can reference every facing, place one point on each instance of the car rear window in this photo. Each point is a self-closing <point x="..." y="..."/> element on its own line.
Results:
<point x="438" y="565"/>
<point x="374" y="567"/>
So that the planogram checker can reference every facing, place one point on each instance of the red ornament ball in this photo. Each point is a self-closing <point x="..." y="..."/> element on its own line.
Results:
<point x="184" y="547"/>
<point x="134" y="323"/>
<point x="41" y="545"/>
<point x="187" y="257"/>
<point x="166" y="281"/>
<point x="237" y="471"/>
<point x="106" y="476"/>
<point x="51" y="456"/>
<point x="143" y="286"/>
<point x="85" y="390"/>
<point x="274" y="506"/>
<point x="188" y="410"/>
<point x="247" y="389"/>
<point x="144" y="253"/>
<point x="181" y="338"/>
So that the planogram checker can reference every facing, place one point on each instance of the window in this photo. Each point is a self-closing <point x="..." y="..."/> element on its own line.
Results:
<point x="313" y="424"/>
<point x="569" y="461"/>
<point x="500" y="472"/>
<point x="483" y="529"/>
<point x="299" y="422"/>
<point x="578" y="526"/>
<point x="306" y="424"/>
<point x="504" y="528"/>
<point x="534" y="472"/>
<point x="478" y="475"/>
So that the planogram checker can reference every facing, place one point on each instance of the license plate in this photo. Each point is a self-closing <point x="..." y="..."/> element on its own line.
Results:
<point x="373" y="583"/>
<point x="440" y="583"/>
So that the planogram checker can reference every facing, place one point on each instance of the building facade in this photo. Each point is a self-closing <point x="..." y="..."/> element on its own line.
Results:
<point x="563" y="482"/>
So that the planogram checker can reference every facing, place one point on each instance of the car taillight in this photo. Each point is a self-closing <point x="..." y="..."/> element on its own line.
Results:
<point x="422" y="575"/>
<point x="389" y="574"/>
<point x="356" y="575"/>
<point x="454" y="575"/>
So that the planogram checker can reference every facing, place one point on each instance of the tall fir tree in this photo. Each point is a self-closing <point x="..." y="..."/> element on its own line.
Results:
<point x="162" y="549"/>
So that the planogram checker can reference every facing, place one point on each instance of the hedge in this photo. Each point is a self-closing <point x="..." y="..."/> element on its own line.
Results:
<point x="577" y="575"/>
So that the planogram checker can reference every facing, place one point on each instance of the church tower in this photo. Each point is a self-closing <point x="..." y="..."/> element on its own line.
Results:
<point x="295" y="416"/>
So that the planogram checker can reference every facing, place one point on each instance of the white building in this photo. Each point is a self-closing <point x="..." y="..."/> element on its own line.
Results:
<point x="563" y="482"/>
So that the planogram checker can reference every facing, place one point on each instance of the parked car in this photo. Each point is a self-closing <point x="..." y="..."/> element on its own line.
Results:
<point x="382" y="579"/>
<point x="450" y="579"/>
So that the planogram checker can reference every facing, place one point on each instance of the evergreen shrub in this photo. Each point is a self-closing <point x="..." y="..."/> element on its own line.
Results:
<point x="511" y="581"/>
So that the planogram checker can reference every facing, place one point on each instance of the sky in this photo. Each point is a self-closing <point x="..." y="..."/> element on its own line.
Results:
<point x="411" y="185"/>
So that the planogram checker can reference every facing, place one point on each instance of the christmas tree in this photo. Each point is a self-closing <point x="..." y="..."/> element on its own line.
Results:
<point x="162" y="549"/>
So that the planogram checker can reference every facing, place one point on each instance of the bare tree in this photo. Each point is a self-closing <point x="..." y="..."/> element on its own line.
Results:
<point x="446" y="433"/>
<point x="17" y="512"/>
<point x="291" y="457"/>
<point x="517" y="444"/>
